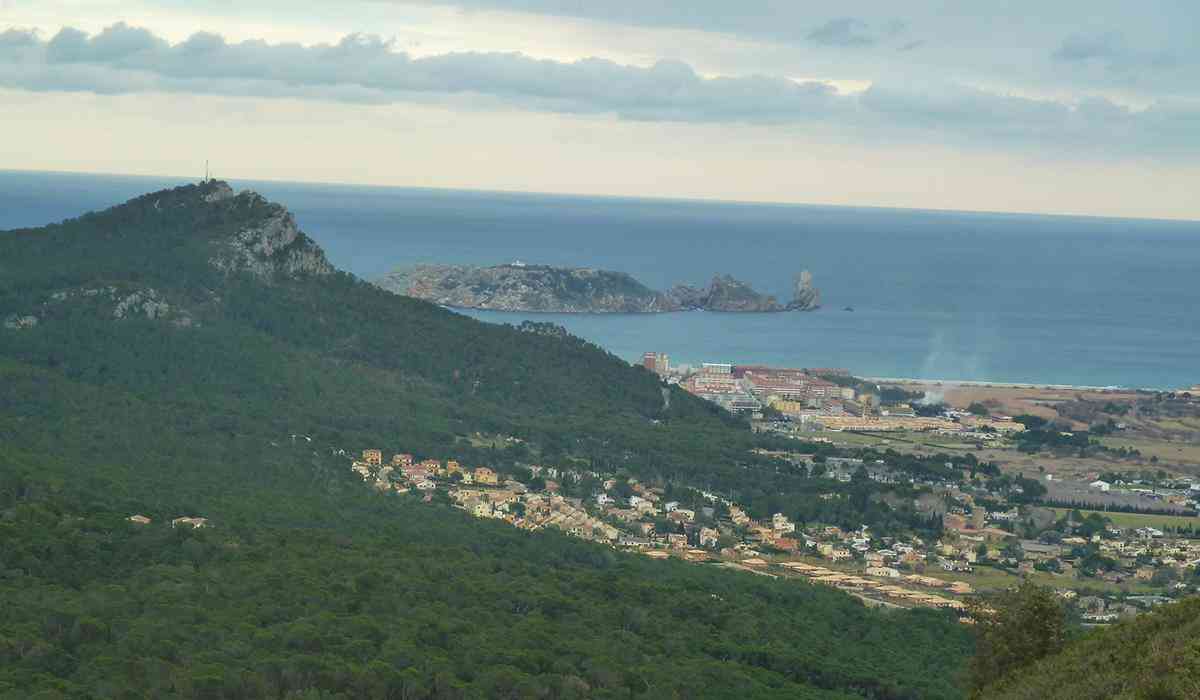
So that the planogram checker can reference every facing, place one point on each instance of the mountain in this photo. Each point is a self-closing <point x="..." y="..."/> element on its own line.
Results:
<point x="547" y="289"/>
<point x="1155" y="655"/>
<point x="192" y="353"/>
<point x="201" y="267"/>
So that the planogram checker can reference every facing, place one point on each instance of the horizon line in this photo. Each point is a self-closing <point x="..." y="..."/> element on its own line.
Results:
<point x="633" y="198"/>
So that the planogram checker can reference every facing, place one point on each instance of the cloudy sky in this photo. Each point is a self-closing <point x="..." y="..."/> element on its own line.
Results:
<point x="1075" y="106"/>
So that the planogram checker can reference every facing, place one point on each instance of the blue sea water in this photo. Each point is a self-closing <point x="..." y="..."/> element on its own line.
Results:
<point x="946" y="295"/>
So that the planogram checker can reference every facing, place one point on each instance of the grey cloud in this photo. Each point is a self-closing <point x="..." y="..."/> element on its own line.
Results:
<point x="366" y="69"/>
<point x="371" y="69"/>
<point x="1082" y="48"/>
<point x="14" y="39"/>
<point x="844" y="31"/>
<point x="787" y="22"/>
<point x="972" y="41"/>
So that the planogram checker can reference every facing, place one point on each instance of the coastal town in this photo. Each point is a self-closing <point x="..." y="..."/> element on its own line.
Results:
<point x="816" y="399"/>
<point x="1114" y="542"/>
<point x="989" y="535"/>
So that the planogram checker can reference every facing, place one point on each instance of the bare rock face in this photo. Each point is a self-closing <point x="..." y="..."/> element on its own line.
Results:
<point x="272" y="246"/>
<point x="688" y="296"/>
<point x="146" y="302"/>
<point x="805" y="297"/>
<point x="119" y="303"/>
<point x="728" y="294"/>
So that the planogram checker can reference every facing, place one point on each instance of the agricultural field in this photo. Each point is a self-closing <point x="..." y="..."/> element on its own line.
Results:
<point x="1017" y="400"/>
<point x="1176" y="454"/>
<point x="1136" y="520"/>
<point x="907" y="442"/>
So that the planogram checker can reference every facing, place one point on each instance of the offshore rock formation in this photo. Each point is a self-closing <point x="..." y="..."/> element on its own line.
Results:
<point x="541" y="288"/>
<point x="724" y="293"/>
<point x="537" y="288"/>
<point x="805" y="297"/>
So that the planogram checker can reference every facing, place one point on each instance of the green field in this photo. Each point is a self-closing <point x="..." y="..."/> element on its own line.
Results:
<point x="987" y="578"/>
<point x="905" y="441"/>
<point x="1135" y="520"/>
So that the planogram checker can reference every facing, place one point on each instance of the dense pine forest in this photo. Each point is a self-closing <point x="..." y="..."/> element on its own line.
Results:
<point x="191" y="353"/>
<point x="1155" y="655"/>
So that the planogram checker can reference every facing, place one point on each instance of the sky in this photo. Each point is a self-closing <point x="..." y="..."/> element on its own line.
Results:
<point x="1077" y="106"/>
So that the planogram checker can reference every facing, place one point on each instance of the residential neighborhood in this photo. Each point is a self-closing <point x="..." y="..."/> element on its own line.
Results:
<point x="984" y="538"/>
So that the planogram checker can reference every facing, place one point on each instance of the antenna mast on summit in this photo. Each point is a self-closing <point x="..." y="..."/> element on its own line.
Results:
<point x="207" y="177"/>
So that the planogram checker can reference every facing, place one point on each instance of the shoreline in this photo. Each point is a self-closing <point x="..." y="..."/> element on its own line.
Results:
<point x="1112" y="389"/>
<point x="626" y="353"/>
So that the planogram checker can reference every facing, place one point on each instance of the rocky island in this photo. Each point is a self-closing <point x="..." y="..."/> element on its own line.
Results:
<point x="543" y="288"/>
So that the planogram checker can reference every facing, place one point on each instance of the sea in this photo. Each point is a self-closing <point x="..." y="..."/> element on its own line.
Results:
<point x="945" y="295"/>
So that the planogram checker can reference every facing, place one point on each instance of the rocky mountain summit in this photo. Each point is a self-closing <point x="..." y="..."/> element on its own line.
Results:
<point x="165" y="256"/>
<point x="547" y="289"/>
<point x="269" y="245"/>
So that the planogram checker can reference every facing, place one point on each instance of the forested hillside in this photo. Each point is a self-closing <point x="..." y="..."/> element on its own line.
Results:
<point x="1156" y="655"/>
<point x="192" y="353"/>
<point x="257" y="326"/>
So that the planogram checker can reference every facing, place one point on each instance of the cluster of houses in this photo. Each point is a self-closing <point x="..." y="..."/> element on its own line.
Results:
<point x="1095" y="610"/>
<point x="404" y="472"/>
<point x="1137" y="552"/>
<point x="752" y="387"/>
<point x="626" y="513"/>
<point x="809" y="401"/>
<point x="186" y="521"/>
<point x="882" y="583"/>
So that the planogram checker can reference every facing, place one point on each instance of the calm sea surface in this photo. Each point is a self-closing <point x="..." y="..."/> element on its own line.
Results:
<point x="997" y="297"/>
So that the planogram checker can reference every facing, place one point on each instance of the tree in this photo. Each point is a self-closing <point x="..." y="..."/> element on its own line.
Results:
<point x="978" y="409"/>
<point x="1014" y="629"/>
<point x="1164" y="576"/>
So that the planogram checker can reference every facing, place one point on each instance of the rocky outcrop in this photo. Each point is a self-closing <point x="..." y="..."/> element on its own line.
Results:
<point x="18" y="322"/>
<point x="540" y="288"/>
<point x="271" y="247"/>
<point x="217" y="191"/>
<point x="119" y="303"/>
<point x="725" y="293"/>
<point x="147" y="302"/>
<point x="687" y="296"/>
<point x="805" y="297"/>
